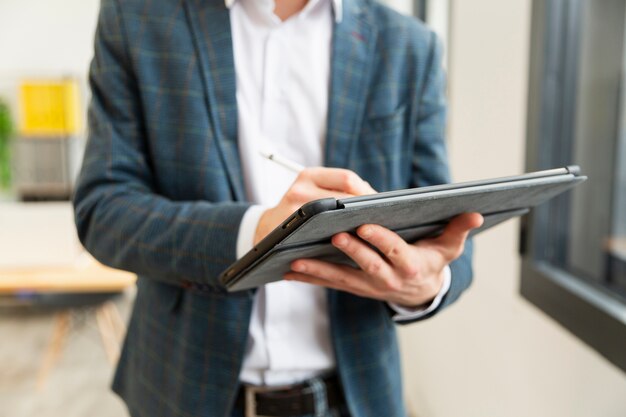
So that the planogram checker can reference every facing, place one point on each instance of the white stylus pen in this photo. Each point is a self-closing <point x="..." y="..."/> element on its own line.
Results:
<point x="280" y="160"/>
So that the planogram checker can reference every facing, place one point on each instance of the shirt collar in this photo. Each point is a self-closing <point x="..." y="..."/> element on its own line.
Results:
<point x="337" y="7"/>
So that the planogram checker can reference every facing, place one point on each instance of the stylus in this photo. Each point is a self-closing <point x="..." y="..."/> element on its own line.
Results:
<point x="281" y="160"/>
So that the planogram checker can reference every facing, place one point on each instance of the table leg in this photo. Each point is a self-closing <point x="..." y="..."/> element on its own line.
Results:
<point x="55" y="346"/>
<point x="107" y="329"/>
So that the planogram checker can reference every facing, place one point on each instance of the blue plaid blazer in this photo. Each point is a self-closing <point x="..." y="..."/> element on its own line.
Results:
<point x="161" y="191"/>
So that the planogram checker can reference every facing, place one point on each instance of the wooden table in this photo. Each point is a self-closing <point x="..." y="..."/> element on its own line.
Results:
<point x="86" y="276"/>
<point x="90" y="277"/>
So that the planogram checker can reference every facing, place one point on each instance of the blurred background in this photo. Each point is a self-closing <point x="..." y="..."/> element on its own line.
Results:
<point x="542" y="331"/>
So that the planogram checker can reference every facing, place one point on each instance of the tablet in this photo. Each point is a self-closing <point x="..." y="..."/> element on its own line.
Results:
<point x="414" y="214"/>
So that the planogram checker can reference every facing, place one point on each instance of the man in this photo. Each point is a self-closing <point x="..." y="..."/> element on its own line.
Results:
<point x="185" y="95"/>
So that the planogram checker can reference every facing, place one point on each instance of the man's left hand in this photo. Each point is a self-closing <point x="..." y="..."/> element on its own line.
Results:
<point x="408" y="275"/>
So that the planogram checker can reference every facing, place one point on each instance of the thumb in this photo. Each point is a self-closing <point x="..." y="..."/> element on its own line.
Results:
<point x="452" y="240"/>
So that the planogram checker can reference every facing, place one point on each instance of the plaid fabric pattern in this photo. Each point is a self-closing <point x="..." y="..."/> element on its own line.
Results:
<point x="161" y="191"/>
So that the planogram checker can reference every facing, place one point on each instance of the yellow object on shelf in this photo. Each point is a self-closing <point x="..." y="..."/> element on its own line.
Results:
<point x="50" y="108"/>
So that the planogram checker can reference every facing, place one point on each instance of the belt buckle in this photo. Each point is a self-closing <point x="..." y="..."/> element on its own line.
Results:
<point x="250" y="398"/>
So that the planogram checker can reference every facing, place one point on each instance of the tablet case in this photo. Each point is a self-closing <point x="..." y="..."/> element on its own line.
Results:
<point x="277" y="262"/>
<point x="413" y="216"/>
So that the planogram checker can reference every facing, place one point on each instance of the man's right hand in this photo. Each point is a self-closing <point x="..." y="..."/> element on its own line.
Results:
<point x="312" y="184"/>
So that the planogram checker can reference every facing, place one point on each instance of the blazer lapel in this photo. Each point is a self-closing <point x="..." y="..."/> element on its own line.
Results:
<point x="210" y="27"/>
<point x="353" y="44"/>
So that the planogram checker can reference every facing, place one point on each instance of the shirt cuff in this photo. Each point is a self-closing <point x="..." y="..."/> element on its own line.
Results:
<point x="404" y="313"/>
<point x="247" y="229"/>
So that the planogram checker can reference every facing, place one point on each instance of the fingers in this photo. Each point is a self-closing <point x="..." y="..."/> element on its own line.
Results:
<point x="304" y="191"/>
<point x="452" y="240"/>
<point x="390" y="244"/>
<point x="313" y="184"/>
<point x="364" y="256"/>
<point x="409" y="275"/>
<point x="339" y="277"/>
<point x="320" y="182"/>
<point x="337" y="179"/>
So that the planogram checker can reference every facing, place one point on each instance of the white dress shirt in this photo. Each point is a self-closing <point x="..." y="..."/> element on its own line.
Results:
<point x="283" y="74"/>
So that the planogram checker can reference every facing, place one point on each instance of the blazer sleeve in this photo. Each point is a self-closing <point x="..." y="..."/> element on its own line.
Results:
<point x="430" y="160"/>
<point x="120" y="217"/>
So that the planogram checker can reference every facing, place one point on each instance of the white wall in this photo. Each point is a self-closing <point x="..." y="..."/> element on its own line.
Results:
<point x="44" y="38"/>
<point x="403" y="6"/>
<point x="493" y="354"/>
<point x="38" y="235"/>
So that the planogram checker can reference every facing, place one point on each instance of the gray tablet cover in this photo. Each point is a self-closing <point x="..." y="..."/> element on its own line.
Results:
<point x="413" y="217"/>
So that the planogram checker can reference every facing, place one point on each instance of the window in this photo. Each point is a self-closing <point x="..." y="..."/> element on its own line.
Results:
<point x="574" y="248"/>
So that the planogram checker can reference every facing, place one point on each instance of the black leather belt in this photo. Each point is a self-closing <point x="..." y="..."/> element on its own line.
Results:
<point x="286" y="400"/>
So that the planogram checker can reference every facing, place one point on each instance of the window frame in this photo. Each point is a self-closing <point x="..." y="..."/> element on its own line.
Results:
<point x="585" y="308"/>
